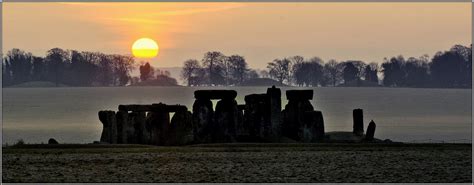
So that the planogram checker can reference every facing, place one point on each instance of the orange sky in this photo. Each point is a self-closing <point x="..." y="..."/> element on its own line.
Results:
<point x="259" y="31"/>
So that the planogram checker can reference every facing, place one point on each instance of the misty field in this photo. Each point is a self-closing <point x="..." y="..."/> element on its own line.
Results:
<point x="239" y="163"/>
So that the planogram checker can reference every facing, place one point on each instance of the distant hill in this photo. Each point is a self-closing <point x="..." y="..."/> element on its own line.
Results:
<point x="261" y="82"/>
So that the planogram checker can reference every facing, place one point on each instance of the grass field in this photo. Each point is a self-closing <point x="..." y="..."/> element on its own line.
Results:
<point x="239" y="163"/>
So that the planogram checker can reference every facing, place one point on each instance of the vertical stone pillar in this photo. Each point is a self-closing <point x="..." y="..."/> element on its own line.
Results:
<point x="109" y="130"/>
<point x="274" y="114"/>
<point x="358" y="124"/>
<point x="122" y="124"/>
<point x="294" y="113"/>
<point x="254" y="115"/>
<point x="369" y="135"/>
<point x="141" y="133"/>
<point x="226" y="120"/>
<point x="159" y="123"/>
<point x="203" y="116"/>
<point x="181" y="129"/>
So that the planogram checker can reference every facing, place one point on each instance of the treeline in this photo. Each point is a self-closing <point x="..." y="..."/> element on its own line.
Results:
<point x="68" y="67"/>
<point x="74" y="68"/>
<point x="447" y="69"/>
<point x="217" y="69"/>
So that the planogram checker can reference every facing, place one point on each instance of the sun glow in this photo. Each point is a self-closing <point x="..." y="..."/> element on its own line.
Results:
<point x="145" y="48"/>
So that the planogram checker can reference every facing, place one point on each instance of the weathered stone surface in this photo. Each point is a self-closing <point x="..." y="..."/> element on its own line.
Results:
<point x="215" y="94"/>
<point x="153" y="107"/>
<point x="181" y="129"/>
<point x="358" y="124"/>
<point x="369" y="135"/>
<point x="226" y="120"/>
<point x="52" y="141"/>
<point x="299" y="94"/>
<point x="203" y="116"/>
<point x="109" y="130"/>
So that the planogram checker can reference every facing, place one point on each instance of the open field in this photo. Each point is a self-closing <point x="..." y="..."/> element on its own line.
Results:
<point x="239" y="163"/>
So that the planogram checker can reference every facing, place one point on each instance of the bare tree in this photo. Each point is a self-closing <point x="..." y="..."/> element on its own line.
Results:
<point x="213" y="61"/>
<point x="189" y="70"/>
<point x="238" y="67"/>
<point x="279" y="69"/>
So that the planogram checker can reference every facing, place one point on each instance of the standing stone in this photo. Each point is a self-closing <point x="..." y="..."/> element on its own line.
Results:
<point x="254" y="115"/>
<point x="369" y="135"/>
<point x="242" y="130"/>
<point x="226" y="120"/>
<point x="142" y="132"/>
<point x="181" y="129"/>
<point x="294" y="114"/>
<point x="122" y="124"/>
<point x="313" y="129"/>
<point x="274" y="114"/>
<point x="159" y="123"/>
<point x="358" y="124"/>
<point x="203" y="116"/>
<point x="109" y="131"/>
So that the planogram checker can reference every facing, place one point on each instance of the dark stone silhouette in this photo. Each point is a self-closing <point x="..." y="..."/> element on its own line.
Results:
<point x="141" y="129"/>
<point x="52" y="141"/>
<point x="181" y="129"/>
<point x="273" y="116"/>
<point x="109" y="131"/>
<point x="358" y="125"/>
<point x="226" y="121"/>
<point x="203" y="116"/>
<point x="369" y="135"/>
<point x="254" y="115"/>
<point x="294" y="113"/>
<point x="260" y="119"/>
<point x="313" y="129"/>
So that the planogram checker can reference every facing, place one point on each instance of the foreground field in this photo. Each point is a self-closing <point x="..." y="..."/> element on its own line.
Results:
<point x="239" y="163"/>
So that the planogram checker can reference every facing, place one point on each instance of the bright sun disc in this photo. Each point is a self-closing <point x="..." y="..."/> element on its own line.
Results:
<point x="145" y="48"/>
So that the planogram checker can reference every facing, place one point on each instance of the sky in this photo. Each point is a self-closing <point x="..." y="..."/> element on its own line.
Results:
<point x="261" y="32"/>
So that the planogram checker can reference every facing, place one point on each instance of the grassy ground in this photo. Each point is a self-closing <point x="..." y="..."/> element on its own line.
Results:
<point x="239" y="163"/>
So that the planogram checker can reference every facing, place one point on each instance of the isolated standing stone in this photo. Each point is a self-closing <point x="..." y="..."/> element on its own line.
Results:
<point x="358" y="125"/>
<point x="369" y="135"/>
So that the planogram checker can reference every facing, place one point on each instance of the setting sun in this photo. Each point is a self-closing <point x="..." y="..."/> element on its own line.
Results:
<point x="145" y="48"/>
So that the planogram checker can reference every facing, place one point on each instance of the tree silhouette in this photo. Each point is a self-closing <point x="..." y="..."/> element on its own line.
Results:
<point x="146" y="72"/>
<point x="279" y="69"/>
<point x="214" y="61"/>
<point x="190" y="70"/>
<point x="350" y="72"/>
